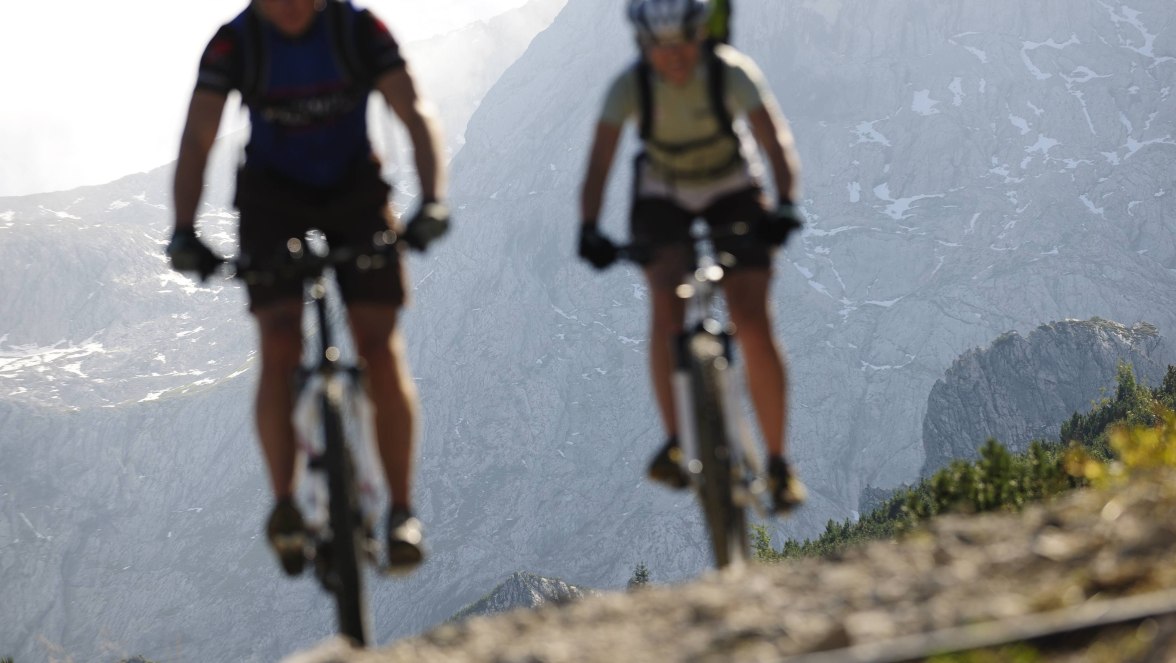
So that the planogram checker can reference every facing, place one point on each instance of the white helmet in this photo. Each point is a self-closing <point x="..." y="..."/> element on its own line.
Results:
<point x="668" y="20"/>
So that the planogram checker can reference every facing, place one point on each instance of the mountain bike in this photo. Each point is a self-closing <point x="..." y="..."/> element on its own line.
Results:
<point x="718" y="455"/>
<point x="338" y="461"/>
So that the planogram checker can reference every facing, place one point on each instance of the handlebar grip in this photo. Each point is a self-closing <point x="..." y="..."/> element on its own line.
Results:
<point x="642" y="254"/>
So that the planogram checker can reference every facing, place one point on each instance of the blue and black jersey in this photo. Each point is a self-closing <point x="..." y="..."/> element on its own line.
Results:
<point x="307" y="95"/>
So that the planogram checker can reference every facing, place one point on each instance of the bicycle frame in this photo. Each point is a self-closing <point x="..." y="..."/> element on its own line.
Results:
<point x="718" y="454"/>
<point x="342" y="543"/>
<point x="698" y="290"/>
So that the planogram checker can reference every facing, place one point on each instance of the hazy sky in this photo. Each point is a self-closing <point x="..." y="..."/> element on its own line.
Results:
<point x="93" y="90"/>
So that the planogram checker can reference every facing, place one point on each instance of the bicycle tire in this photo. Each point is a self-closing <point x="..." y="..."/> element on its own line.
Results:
<point x="726" y="520"/>
<point x="346" y="544"/>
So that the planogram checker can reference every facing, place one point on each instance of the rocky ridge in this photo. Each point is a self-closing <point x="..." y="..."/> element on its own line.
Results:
<point x="1018" y="388"/>
<point x="523" y="590"/>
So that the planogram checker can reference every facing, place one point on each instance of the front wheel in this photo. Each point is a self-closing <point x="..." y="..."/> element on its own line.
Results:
<point x="725" y="519"/>
<point x="344" y="572"/>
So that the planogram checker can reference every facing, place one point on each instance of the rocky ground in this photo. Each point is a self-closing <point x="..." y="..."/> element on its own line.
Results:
<point x="1090" y="557"/>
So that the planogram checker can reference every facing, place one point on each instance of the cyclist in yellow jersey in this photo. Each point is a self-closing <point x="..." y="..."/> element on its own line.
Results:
<point x="684" y="92"/>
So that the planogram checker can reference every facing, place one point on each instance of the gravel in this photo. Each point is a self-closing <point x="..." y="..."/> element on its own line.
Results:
<point x="1090" y="547"/>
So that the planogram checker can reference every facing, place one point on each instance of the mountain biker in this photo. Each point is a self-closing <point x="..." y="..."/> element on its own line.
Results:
<point x="305" y="69"/>
<point x="695" y="164"/>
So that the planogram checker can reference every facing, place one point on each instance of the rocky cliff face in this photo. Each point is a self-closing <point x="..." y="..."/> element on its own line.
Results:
<point x="970" y="172"/>
<point x="523" y="590"/>
<point x="484" y="49"/>
<point x="1021" y="388"/>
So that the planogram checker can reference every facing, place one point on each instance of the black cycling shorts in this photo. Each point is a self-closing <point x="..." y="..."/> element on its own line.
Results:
<point x="665" y="225"/>
<point x="274" y="209"/>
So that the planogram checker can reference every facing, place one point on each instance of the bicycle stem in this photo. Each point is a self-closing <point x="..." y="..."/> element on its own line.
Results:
<point x="329" y="354"/>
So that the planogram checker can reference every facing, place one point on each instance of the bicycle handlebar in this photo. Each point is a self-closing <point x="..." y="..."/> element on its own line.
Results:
<point x="302" y="264"/>
<point x="642" y="252"/>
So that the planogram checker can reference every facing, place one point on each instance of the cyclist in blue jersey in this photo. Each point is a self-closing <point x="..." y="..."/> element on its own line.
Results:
<point x="305" y="70"/>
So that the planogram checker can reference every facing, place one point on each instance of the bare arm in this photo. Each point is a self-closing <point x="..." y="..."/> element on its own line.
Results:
<point x="399" y="91"/>
<point x="775" y="138"/>
<point x="604" y="147"/>
<point x="204" y="116"/>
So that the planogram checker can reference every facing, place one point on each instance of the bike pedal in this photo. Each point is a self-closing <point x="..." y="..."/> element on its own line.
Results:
<point x="291" y="551"/>
<point x="741" y="496"/>
<point x="324" y="569"/>
<point x="371" y="551"/>
<point x="402" y="559"/>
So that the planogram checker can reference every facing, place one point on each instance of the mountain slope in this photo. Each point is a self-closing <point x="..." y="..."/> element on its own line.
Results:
<point x="938" y="221"/>
<point x="522" y="590"/>
<point x="970" y="170"/>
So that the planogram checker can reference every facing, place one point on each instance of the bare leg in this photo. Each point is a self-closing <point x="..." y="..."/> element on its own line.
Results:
<point x="392" y="392"/>
<point x="280" y="330"/>
<point x="767" y="376"/>
<point x="663" y="277"/>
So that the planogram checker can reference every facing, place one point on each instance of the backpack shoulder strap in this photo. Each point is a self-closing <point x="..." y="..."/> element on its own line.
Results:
<point x="644" y="99"/>
<point x="717" y="89"/>
<point x="341" y="25"/>
<point x="256" y="60"/>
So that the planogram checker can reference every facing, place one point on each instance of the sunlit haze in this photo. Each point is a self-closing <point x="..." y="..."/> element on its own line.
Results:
<point x="96" y="90"/>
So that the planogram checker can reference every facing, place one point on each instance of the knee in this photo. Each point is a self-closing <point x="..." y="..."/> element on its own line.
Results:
<point x="281" y="350"/>
<point x="379" y="348"/>
<point x="753" y="326"/>
<point x="387" y="374"/>
<point x="748" y="308"/>
<point x="750" y="318"/>
<point x="374" y="349"/>
<point x="668" y="311"/>
<point x="376" y="335"/>
<point x="280" y="337"/>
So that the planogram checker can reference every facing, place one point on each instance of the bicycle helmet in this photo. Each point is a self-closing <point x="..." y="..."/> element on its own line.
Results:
<point x="668" y="20"/>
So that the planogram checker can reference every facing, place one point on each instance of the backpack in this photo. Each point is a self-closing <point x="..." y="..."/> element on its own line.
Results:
<point x="719" y="32"/>
<point x="719" y="27"/>
<point x="716" y="77"/>
<point x="340" y="26"/>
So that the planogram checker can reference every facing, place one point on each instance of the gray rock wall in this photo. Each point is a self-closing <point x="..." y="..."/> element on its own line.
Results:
<point x="523" y="590"/>
<point x="1022" y="388"/>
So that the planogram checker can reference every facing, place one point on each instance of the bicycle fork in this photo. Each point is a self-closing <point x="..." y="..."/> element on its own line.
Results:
<point x="709" y="338"/>
<point x="684" y="406"/>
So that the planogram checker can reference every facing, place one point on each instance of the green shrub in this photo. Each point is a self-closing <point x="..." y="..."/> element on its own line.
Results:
<point x="1135" y="429"/>
<point x="641" y="576"/>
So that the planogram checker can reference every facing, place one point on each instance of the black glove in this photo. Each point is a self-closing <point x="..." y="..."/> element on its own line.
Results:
<point x="188" y="254"/>
<point x="431" y="221"/>
<point x="781" y="224"/>
<point x="595" y="247"/>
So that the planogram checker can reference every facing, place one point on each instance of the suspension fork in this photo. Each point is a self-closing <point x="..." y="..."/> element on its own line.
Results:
<point x="681" y="383"/>
<point x="684" y="399"/>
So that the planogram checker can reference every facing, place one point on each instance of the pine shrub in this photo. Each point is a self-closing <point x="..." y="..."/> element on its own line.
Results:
<point x="1134" y="431"/>
<point x="641" y="576"/>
